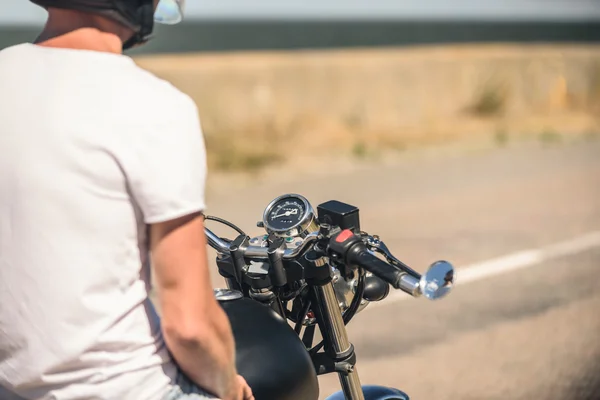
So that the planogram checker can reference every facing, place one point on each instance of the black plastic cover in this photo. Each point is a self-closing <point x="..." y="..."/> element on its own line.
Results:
<point x="340" y="214"/>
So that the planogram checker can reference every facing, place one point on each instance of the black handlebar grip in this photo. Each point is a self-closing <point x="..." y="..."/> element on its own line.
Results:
<point x="352" y="250"/>
<point x="359" y="255"/>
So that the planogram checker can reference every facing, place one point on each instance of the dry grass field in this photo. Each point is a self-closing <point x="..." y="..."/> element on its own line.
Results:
<point x="266" y="109"/>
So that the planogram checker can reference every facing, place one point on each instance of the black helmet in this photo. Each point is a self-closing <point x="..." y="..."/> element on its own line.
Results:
<point x="138" y="15"/>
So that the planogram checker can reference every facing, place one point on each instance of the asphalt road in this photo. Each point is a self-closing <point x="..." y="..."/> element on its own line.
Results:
<point x="531" y="333"/>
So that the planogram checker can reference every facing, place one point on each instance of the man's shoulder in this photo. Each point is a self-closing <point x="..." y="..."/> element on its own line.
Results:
<point x="155" y="91"/>
<point x="157" y="107"/>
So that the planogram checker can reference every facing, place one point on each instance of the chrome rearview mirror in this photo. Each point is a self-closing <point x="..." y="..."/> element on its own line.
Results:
<point x="438" y="281"/>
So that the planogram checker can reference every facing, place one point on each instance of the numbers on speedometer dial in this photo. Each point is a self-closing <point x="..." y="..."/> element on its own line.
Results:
<point x="289" y="216"/>
<point x="286" y="214"/>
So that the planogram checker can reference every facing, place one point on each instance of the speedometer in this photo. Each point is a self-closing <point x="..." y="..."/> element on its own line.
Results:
<point x="289" y="215"/>
<point x="286" y="214"/>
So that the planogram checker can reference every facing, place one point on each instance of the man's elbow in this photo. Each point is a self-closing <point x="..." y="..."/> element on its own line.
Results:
<point x="196" y="331"/>
<point x="187" y="334"/>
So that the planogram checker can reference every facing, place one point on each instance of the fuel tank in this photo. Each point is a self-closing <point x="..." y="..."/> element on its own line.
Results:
<point x="270" y="355"/>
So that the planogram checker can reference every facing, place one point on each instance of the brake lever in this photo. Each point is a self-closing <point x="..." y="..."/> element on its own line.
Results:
<point x="434" y="284"/>
<point x="377" y="245"/>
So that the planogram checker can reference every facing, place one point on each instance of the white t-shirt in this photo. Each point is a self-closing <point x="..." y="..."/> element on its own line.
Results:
<point x="92" y="149"/>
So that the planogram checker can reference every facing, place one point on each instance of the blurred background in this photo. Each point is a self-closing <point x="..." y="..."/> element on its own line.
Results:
<point x="464" y="130"/>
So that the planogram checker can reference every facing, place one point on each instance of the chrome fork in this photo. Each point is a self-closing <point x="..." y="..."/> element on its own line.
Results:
<point x="336" y="338"/>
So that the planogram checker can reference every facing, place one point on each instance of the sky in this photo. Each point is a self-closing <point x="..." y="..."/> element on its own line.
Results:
<point x="19" y="12"/>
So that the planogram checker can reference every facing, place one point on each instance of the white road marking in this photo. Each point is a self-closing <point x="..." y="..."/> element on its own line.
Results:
<point x="510" y="262"/>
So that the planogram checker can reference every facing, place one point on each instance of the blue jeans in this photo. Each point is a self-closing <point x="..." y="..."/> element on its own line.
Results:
<point x="185" y="389"/>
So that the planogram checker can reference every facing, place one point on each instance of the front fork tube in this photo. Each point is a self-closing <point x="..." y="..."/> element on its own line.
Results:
<point x="337" y="345"/>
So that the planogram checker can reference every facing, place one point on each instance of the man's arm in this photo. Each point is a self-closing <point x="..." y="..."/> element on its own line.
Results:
<point x="196" y="329"/>
<point x="164" y="161"/>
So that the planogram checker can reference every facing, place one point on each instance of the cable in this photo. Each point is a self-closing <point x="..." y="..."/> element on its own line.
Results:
<point x="351" y="311"/>
<point x="357" y="299"/>
<point x="302" y="315"/>
<point x="224" y="222"/>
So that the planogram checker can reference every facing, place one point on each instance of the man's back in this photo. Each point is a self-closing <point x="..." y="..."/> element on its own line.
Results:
<point x="79" y="132"/>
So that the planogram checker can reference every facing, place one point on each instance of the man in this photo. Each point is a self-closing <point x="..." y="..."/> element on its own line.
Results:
<point x="102" y="163"/>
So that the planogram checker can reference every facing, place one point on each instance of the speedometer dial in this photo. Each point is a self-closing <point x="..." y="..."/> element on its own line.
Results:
<point x="288" y="215"/>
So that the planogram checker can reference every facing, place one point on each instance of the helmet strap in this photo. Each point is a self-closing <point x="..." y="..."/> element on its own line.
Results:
<point x="145" y="14"/>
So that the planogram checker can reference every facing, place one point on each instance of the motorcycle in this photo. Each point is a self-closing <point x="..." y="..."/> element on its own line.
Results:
<point x="307" y="271"/>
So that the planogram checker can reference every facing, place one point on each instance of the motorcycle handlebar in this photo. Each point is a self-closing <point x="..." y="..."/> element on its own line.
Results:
<point x="256" y="253"/>
<point x="434" y="284"/>
<point x="359" y="255"/>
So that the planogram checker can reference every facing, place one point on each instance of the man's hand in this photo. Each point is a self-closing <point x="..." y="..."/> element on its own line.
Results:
<point x="241" y="390"/>
<point x="196" y="329"/>
<point x="246" y="391"/>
